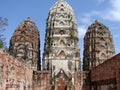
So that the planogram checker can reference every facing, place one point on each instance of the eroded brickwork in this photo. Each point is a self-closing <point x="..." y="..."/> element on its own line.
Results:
<point x="44" y="81"/>
<point x="98" y="45"/>
<point x="81" y="80"/>
<point x="61" y="57"/>
<point x="25" y="44"/>
<point x="41" y="80"/>
<point x="61" y="48"/>
<point x="107" y="74"/>
<point x="13" y="74"/>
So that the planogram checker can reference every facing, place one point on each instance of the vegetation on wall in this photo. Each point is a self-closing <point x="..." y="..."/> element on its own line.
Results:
<point x="72" y="33"/>
<point x="51" y="42"/>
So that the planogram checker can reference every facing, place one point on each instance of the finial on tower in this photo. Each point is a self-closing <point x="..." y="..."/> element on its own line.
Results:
<point x="96" y="20"/>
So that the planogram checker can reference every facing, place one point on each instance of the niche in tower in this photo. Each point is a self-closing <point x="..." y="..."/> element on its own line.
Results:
<point x="103" y="56"/>
<point x="62" y="43"/>
<point x="62" y="54"/>
<point x="61" y="23"/>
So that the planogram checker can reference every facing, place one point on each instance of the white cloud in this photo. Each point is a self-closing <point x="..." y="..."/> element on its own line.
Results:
<point x="111" y="13"/>
<point x="115" y="4"/>
<point x="81" y="31"/>
<point x="86" y="18"/>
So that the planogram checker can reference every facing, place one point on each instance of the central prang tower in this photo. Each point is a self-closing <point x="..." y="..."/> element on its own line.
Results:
<point x="61" y="49"/>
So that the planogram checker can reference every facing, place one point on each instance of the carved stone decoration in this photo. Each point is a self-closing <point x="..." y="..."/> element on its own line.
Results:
<point x="61" y="40"/>
<point x="1" y="74"/>
<point x="98" y="45"/>
<point x="25" y="44"/>
<point x="62" y="55"/>
<point x="61" y="81"/>
<point x="70" y="65"/>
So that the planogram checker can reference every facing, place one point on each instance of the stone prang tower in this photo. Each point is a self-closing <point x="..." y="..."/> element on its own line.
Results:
<point x="61" y="49"/>
<point x="25" y="44"/>
<point x="98" y="45"/>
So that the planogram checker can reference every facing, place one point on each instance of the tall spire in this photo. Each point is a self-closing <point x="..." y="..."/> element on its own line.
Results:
<point x="24" y="45"/>
<point x="61" y="43"/>
<point x="98" y="45"/>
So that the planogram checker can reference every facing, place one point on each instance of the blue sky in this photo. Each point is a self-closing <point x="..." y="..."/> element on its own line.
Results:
<point x="86" y="12"/>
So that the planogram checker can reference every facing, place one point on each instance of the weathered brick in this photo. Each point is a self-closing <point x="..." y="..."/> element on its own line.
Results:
<point x="107" y="73"/>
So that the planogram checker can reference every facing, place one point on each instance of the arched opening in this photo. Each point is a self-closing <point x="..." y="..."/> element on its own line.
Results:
<point x="61" y="84"/>
<point x="103" y="56"/>
<point x="62" y="54"/>
<point x="62" y="43"/>
<point x="61" y="16"/>
<point x="61" y="9"/>
<point x="61" y="23"/>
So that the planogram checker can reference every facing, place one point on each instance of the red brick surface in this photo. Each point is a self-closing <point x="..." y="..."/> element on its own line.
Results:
<point x="15" y="75"/>
<point x="41" y="80"/>
<point x="81" y="80"/>
<point x="107" y="72"/>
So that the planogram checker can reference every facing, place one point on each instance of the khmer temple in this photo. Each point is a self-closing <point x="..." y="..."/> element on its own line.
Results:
<point x="20" y="69"/>
<point x="25" y="44"/>
<point x="98" y="45"/>
<point x="61" y="49"/>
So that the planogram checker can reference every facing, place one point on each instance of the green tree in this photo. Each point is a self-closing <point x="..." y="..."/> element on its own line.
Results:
<point x="3" y="23"/>
<point x="1" y="43"/>
<point x="6" y="49"/>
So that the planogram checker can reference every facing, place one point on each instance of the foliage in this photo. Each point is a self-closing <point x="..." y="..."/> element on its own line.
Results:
<point x="72" y="33"/>
<point x="51" y="42"/>
<point x="3" y="23"/>
<point x="6" y="49"/>
<point x="1" y="44"/>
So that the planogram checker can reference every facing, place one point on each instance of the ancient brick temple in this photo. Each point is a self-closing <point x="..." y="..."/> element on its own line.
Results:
<point x="98" y="45"/>
<point x="25" y="44"/>
<point x="61" y="63"/>
<point x="61" y="51"/>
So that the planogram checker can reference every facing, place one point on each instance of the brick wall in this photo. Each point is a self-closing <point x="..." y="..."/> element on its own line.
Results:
<point x="107" y="73"/>
<point x="81" y="81"/>
<point x="13" y="74"/>
<point x="42" y="80"/>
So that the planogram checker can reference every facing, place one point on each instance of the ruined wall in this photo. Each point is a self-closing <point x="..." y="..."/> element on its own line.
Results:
<point x="13" y="74"/>
<point x="81" y="80"/>
<point x="107" y="75"/>
<point x="25" y="44"/>
<point x="41" y="80"/>
<point x="98" y="45"/>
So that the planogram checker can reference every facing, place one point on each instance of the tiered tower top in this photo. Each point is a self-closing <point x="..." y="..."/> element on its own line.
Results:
<point x="61" y="7"/>
<point x="25" y="44"/>
<point x="98" y="45"/>
<point x="97" y="25"/>
<point x="61" y="50"/>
